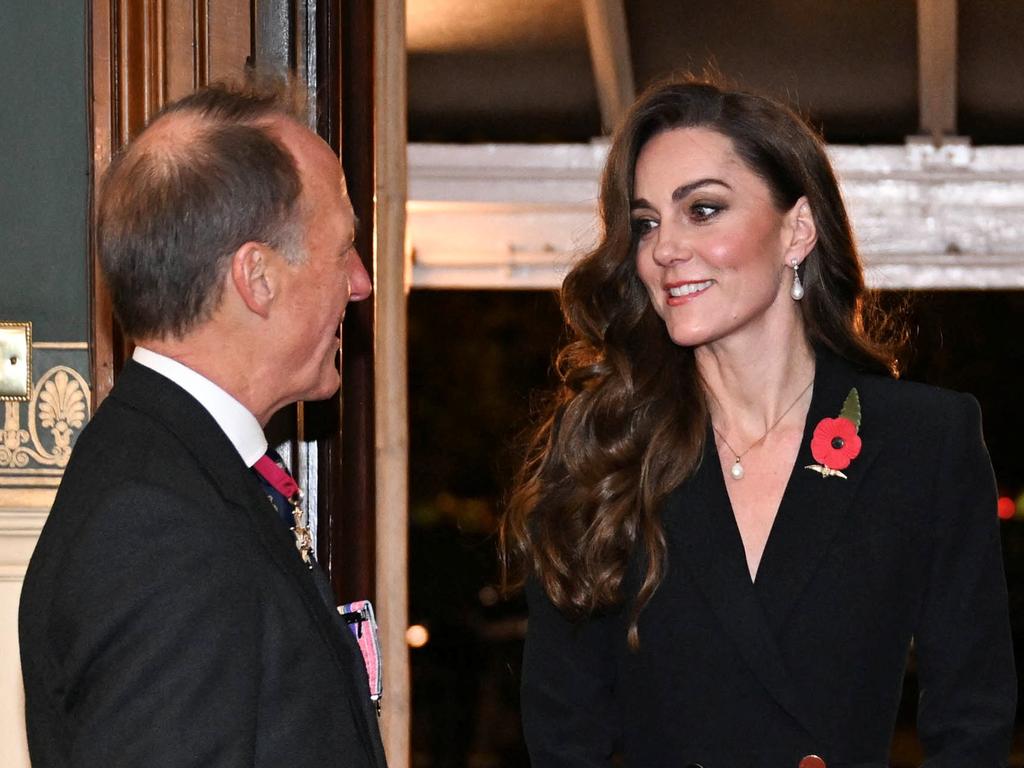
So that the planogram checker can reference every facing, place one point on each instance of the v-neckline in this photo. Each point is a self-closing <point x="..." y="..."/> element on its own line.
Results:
<point x="711" y="448"/>
<point x="812" y="507"/>
<point x="705" y="545"/>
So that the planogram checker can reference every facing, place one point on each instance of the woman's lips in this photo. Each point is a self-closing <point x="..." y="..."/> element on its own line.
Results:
<point x="684" y="291"/>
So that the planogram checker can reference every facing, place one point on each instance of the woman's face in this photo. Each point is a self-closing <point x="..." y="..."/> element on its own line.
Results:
<point x="712" y="248"/>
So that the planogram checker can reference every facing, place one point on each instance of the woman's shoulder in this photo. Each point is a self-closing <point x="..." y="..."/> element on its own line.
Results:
<point x="917" y="407"/>
<point x="917" y="395"/>
<point x="926" y="439"/>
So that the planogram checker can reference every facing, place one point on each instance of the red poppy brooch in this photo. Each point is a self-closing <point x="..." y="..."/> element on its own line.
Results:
<point x="835" y="442"/>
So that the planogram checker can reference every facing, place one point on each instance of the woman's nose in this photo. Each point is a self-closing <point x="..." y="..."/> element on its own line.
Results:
<point x="671" y="245"/>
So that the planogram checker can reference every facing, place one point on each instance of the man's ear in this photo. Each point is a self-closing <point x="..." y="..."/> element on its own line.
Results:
<point x="253" y="277"/>
<point x="803" y="233"/>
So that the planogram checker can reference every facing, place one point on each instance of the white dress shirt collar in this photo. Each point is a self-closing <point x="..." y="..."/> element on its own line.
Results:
<point x="240" y="426"/>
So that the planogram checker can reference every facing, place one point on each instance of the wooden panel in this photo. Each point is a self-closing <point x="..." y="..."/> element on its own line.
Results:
<point x="180" y="46"/>
<point x="346" y="504"/>
<point x="127" y="83"/>
<point x="142" y="54"/>
<point x="127" y="89"/>
<point x="357" y="407"/>
<point x="322" y="421"/>
<point x="229" y="41"/>
<point x="936" y="50"/>
<point x="609" y="53"/>
<point x="392" y="427"/>
<point x="273" y="29"/>
<point x="138" y="71"/>
<point x="101" y="326"/>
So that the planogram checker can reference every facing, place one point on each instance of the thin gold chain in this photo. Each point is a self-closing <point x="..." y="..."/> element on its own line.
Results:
<point x="739" y="456"/>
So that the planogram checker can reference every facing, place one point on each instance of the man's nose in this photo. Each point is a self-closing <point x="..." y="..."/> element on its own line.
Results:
<point x="359" y="281"/>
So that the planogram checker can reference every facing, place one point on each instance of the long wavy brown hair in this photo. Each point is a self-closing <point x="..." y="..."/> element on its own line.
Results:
<point x="628" y="420"/>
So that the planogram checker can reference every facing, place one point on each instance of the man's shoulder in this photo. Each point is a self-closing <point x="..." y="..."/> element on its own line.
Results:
<point x="132" y="458"/>
<point x="124" y="443"/>
<point x="148" y="427"/>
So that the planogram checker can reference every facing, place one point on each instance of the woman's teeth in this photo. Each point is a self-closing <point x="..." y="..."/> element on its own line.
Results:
<point x="688" y="288"/>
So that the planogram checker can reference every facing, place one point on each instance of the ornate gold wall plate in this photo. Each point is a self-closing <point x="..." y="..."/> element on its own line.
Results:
<point x="15" y="361"/>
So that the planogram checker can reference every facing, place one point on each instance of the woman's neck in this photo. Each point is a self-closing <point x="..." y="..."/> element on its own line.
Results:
<point x="750" y="385"/>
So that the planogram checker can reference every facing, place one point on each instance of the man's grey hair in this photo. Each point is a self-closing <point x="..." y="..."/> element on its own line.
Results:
<point x="205" y="177"/>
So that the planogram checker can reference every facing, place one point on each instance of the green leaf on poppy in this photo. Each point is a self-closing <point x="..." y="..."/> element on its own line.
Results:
<point x="851" y="408"/>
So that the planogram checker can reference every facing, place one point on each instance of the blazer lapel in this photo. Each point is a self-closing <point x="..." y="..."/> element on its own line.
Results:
<point x="363" y="708"/>
<point x="813" y="507"/>
<point x="700" y="521"/>
<point x="181" y="414"/>
<point x="316" y="592"/>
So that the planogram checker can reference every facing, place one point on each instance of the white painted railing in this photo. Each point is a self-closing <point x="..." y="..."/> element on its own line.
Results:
<point x="515" y="216"/>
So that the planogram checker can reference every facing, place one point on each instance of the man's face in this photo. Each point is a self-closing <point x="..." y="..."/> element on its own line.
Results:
<point x="316" y="291"/>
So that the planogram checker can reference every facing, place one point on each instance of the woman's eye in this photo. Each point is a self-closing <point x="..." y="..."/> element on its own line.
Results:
<point x="704" y="211"/>
<point x="642" y="226"/>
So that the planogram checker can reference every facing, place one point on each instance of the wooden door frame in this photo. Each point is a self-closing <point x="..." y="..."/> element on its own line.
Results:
<point x="145" y="52"/>
<point x="129" y="73"/>
<point x="140" y="53"/>
<point x="346" y="501"/>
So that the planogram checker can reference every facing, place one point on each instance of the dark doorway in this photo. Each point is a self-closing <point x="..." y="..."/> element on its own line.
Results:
<point x="478" y="359"/>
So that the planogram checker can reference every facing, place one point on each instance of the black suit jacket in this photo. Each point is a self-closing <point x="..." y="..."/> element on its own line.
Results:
<point x="810" y="658"/>
<point x="167" y="618"/>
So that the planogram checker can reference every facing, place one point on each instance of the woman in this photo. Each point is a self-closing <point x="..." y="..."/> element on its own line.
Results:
<point x="734" y="522"/>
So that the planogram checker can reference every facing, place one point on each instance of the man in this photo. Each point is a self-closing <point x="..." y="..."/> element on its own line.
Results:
<point x="169" y="616"/>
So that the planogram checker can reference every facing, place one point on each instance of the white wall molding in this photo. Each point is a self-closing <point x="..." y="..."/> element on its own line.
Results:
<point x="19" y="530"/>
<point x="516" y="216"/>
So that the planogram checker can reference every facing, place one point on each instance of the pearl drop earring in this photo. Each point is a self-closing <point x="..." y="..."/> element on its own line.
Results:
<point x="797" y="291"/>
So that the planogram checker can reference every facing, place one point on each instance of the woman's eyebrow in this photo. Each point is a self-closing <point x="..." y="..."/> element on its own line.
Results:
<point x="682" y="191"/>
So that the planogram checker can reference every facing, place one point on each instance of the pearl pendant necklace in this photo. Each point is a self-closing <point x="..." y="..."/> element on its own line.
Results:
<point x="736" y="470"/>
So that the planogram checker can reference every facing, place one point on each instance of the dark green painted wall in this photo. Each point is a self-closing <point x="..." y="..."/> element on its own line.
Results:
<point x="44" y="168"/>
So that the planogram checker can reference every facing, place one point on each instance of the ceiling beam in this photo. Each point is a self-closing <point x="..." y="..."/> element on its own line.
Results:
<point x="936" y="53"/>
<point x="608" y="40"/>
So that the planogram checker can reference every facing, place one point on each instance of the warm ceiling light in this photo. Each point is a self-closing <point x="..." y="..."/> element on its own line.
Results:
<point x="452" y="26"/>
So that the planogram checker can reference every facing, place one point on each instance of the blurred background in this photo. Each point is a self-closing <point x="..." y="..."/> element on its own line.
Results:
<point x="506" y="105"/>
<point x="879" y="78"/>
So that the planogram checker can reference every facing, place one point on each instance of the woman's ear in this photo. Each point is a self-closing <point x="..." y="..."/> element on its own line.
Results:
<point x="253" y="277"/>
<point x="802" y="231"/>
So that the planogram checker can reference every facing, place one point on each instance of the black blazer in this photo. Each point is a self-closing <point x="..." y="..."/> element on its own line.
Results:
<point x="810" y="658"/>
<point x="167" y="618"/>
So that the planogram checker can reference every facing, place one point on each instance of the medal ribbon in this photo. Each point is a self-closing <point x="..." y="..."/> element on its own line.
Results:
<point x="282" y="482"/>
<point x="363" y="624"/>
